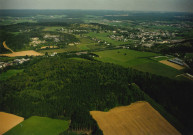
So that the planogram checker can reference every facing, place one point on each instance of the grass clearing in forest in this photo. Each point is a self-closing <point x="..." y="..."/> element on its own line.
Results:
<point x="80" y="59"/>
<point x="139" y="118"/>
<point x="52" y="28"/>
<point x="10" y="73"/>
<point x="36" y="125"/>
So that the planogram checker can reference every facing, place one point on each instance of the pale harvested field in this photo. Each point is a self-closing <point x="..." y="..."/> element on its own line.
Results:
<point x="176" y="66"/>
<point x="22" y="53"/>
<point x="8" y="121"/>
<point x="139" y="118"/>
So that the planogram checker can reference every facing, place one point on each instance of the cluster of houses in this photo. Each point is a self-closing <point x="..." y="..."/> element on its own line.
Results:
<point x="100" y="41"/>
<point x="70" y="31"/>
<point x="118" y="38"/>
<point x="35" y="41"/>
<point x="54" y="37"/>
<point x="14" y="62"/>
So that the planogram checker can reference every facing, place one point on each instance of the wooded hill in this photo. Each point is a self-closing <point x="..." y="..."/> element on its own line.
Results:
<point x="64" y="88"/>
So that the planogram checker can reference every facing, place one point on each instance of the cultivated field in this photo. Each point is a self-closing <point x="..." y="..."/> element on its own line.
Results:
<point x="139" y="118"/>
<point x="143" y="61"/>
<point x="176" y="66"/>
<point x="8" y="121"/>
<point x="22" y="53"/>
<point x="36" y="125"/>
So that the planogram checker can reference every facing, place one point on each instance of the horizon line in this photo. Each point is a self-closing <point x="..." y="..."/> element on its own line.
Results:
<point x="109" y="10"/>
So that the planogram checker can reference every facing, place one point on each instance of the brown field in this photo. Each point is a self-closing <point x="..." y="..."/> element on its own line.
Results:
<point x="22" y="53"/>
<point x="139" y="118"/>
<point x="8" y="121"/>
<point x="176" y="66"/>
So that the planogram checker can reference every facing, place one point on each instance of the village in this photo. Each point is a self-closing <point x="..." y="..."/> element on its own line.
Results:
<point x="14" y="62"/>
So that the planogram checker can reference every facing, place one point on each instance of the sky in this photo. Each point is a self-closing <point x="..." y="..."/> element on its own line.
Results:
<point x="131" y="5"/>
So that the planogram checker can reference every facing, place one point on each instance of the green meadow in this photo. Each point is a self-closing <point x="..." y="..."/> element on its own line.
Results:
<point x="53" y="28"/>
<point x="36" y="125"/>
<point x="9" y="73"/>
<point x="143" y="61"/>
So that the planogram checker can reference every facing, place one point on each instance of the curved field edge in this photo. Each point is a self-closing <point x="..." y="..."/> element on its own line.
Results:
<point x="8" y="121"/>
<point x="170" y="118"/>
<point x="39" y="126"/>
<point x="137" y="118"/>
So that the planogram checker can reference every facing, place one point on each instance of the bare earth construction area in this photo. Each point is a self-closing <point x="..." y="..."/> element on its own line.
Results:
<point x="8" y="121"/>
<point x="22" y="53"/>
<point x="139" y="118"/>
<point x="176" y="66"/>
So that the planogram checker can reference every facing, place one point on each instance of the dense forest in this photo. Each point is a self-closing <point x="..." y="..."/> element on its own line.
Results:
<point x="60" y="87"/>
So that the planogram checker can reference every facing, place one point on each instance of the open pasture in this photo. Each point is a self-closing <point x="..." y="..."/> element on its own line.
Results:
<point x="87" y="44"/>
<point x="138" y="60"/>
<point x="36" y="125"/>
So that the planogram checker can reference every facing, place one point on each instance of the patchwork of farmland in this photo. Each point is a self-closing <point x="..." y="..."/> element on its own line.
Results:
<point x="139" y="118"/>
<point x="142" y="61"/>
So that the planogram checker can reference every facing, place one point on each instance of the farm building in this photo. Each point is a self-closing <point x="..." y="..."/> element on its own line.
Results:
<point x="177" y="61"/>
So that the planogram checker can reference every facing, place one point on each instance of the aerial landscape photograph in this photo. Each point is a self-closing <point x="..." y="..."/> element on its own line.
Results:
<point x="96" y="67"/>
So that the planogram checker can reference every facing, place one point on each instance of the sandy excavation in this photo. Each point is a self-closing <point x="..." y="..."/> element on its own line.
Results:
<point x="139" y="118"/>
<point x="8" y="121"/>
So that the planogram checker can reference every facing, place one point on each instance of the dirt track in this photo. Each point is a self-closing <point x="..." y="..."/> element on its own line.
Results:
<point x="8" y="121"/>
<point x="139" y="118"/>
<point x="6" y="47"/>
<point x="176" y="66"/>
<point x="22" y="53"/>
